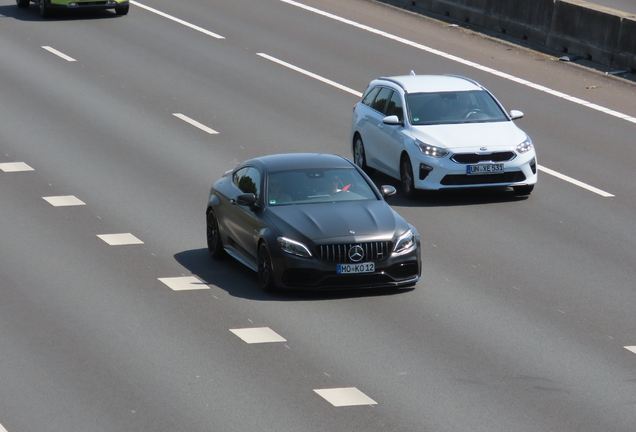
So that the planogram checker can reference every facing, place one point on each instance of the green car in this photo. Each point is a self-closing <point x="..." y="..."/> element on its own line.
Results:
<point x="48" y="6"/>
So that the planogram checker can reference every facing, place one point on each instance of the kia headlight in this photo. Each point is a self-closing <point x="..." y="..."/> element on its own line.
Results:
<point x="525" y="146"/>
<point x="405" y="243"/>
<point x="293" y="247"/>
<point x="430" y="150"/>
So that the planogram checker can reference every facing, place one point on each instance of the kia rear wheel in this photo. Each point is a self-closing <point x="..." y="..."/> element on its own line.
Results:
<point x="360" y="157"/>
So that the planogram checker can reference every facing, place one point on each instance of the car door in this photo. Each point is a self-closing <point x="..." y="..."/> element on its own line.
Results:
<point x="374" y="137"/>
<point x="244" y="223"/>
<point x="390" y="138"/>
<point x="362" y="124"/>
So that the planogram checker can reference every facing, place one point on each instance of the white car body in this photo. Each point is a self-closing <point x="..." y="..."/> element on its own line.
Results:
<point x="385" y="142"/>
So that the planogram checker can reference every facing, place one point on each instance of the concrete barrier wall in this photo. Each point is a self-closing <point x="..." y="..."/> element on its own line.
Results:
<point x="583" y="28"/>
<point x="575" y="27"/>
<point x="524" y="19"/>
<point x="625" y="55"/>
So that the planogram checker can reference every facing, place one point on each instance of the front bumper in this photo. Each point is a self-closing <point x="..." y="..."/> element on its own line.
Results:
<point x="79" y="4"/>
<point x="434" y="174"/>
<point x="314" y="273"/>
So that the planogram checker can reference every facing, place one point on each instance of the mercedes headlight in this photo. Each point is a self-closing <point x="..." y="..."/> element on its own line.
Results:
<point x="405" y="243"/>
<point x="525" y="146"/>
<point x="293" y="247"/>
<point x="430" y="150"/>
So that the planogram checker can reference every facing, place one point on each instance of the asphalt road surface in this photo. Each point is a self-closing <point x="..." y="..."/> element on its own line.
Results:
<point x="113" y="317"/>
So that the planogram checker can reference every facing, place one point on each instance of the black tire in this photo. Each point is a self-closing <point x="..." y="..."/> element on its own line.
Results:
<point x="22" y="3"/>
<point x="215" y="245"/>
<point x="122" y="10"/>
<point x="360" y="156"/>
<point x="265" y="272"/>
<point x="523" y="190"/>
<point x="45" y="11"/>
<point x="406" y="177"/>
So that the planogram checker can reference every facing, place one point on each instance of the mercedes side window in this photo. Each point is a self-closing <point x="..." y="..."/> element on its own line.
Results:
<point x="248" y="180"/>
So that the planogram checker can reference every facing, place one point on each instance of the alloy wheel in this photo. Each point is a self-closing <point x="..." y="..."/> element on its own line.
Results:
<point x="215" y="247"/>
<point x="359" y="156"/>
<point x="265" y="268"/>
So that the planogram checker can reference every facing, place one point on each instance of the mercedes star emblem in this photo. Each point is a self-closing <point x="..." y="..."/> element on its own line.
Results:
<point x="356" y="253"/>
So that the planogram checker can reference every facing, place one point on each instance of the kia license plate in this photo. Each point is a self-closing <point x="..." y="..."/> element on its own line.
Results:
<point x="485" y="169"/>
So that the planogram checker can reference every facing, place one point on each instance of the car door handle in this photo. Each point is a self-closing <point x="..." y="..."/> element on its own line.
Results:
<point x="232" y="201"/>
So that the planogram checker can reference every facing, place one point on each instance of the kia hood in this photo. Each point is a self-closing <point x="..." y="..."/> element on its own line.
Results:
<point x="471" y="136"/>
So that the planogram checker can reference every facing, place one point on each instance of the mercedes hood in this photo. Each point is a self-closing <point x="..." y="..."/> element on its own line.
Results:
<point x="342" y="221"/>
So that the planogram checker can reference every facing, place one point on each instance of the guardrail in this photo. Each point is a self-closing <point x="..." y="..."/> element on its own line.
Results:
<point x="575" y="27"/>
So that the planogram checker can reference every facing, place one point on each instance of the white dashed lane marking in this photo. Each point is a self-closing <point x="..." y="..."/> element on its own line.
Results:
<point x="258" y="335"/>
<point x="120" y="239"/>
<point x="184" y="283"/>
<point x="177" y="20"/>
<point x="345" y="396"/>
<point x="575" y="182"/>
<point x="14" y="167"/>
<point x="58" y="53"/>
<point x="66" y="200"/>
<point x="310" y="74"/>
<point x="195" y="123"/>
<point x="631" y="348"/>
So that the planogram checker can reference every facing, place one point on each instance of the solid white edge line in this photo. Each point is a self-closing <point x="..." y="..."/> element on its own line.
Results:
<point x="465" y="62"/>
<point x="347" y="89"/>
<point x="58" y="53"/>
<point x="2" y="429"/>
<point x="195" y="123"/>
<point x="631" y="348"/>
<point x="177" y="20"/>
<point x="574" y="181"/>
<point x="311" y="74"/>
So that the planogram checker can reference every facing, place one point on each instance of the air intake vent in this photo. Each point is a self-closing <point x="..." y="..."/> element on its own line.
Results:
<point x="339" y="253"/>
<point x="469" y="158"/>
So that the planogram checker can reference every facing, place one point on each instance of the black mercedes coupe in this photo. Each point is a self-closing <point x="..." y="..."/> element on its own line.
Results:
<point x="311" y="221"/>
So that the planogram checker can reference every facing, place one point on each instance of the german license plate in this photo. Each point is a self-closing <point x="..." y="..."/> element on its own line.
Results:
<point x="356" y="268"/>
<point x="485" y="169"/>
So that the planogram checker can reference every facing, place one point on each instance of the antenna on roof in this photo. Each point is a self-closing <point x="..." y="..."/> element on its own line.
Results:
<point x="412" y="72"/>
